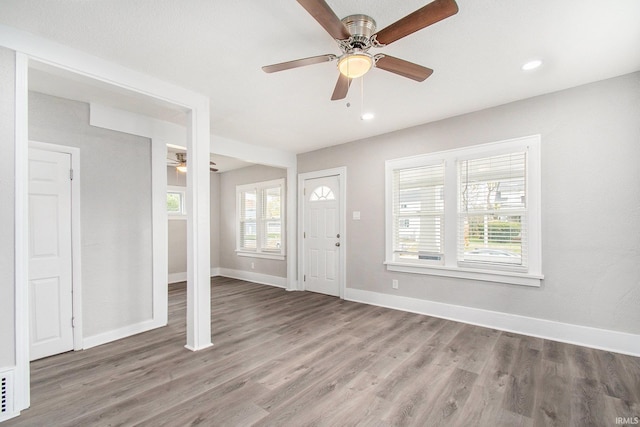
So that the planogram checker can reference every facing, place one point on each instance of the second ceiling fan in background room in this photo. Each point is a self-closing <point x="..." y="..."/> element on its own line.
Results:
<point x="180" y="162"/>
<point x="356" y="34"/>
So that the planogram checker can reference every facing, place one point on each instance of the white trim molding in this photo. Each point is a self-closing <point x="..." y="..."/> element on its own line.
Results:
<point x="249" y="276"/>
<point x="177" y="277"/>
<point x="124" y="332"/>
<point x="602" y="339"/>
<point x="29" y="47"/>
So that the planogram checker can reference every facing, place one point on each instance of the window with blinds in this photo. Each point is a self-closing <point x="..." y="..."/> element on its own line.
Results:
<point x="418" y="213"/>
<point x="492" y="210"/>
<point x="470" y="213"/>
<point x="259" y="218"/>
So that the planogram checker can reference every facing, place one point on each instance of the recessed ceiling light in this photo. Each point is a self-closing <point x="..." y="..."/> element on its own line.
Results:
<point x="532" y="65"/>
<point x="367" y="116"/>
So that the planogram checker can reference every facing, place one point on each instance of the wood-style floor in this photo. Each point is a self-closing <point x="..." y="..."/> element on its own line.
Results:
<point x="297" y="358"/>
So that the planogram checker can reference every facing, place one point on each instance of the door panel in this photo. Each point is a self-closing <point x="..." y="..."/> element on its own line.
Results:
<point x="50" y="267"/>
<point x="322" y="240"/>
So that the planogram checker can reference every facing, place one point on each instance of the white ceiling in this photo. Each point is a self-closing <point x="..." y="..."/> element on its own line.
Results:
<point x="217" y="48"/>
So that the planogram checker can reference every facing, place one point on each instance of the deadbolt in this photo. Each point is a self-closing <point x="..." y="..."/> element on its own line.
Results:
<point x="338" y="236"/>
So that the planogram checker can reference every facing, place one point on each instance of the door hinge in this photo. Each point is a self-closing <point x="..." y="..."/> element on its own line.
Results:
<point x="304" y="191"/>
<point x="73" y="322"/>
<point x="71" y="174"/>
<point x="304" y="234"/>
<point x="305" y="278"/>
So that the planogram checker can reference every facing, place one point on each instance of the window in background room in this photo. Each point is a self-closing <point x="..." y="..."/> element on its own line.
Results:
<point x="176" y="202"/>
<point x="260" y="223"/>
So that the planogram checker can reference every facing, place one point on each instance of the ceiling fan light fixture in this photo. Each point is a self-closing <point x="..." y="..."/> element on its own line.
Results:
<point x="182" y="168"/>
<point x="354" y="65"/>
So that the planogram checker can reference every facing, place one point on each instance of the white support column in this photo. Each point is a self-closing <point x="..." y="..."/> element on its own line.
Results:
<point x="160" y="231"/>
<point x="22" y="399"/>
<point x="198" y="231"/>
<point x="292" y="228"/>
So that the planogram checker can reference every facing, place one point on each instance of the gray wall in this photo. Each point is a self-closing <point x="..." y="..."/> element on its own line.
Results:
<point x="7" y="190"/>
<point x="178" y="227"/>
<point x="228" y="258"/>
<point x="590" y="204"/>
<point x="116" y="223"/>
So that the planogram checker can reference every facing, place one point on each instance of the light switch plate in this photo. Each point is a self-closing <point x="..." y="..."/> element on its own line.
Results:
<point x="356" y="215"/>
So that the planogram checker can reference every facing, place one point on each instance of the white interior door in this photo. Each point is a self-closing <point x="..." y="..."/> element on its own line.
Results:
<point x="50" y="267"/>
<point x="322" y="235"/>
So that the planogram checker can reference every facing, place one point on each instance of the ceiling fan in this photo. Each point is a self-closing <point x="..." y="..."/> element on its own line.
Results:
<point x="356" y="34"/>
<point x="180" y="162"/>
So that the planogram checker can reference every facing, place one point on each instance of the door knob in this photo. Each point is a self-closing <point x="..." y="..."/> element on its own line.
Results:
<point x="338" y="244"/>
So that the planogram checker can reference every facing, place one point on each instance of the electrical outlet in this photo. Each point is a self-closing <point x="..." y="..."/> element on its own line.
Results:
<point x="394" y="284"/>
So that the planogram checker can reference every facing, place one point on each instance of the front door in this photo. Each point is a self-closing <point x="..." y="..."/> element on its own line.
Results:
<point x="321" y="235"/>
<point x="50" y="268"/>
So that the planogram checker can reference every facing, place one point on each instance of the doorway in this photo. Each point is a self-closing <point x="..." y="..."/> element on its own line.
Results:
<point x="322" y="204"/>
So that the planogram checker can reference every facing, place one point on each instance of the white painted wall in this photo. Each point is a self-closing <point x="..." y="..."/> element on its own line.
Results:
<point x="116" y="217"/>
<point x="590" y="205"/>
<point x="7" y="193"/>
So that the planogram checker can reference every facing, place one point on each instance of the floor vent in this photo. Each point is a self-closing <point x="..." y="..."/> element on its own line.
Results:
<point x="6" y="395"/>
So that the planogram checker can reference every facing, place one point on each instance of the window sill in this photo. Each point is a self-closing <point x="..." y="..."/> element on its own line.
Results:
<point x="261" y="255"/>
<point x="532" y="280"/>
<point x="181" y="217"/>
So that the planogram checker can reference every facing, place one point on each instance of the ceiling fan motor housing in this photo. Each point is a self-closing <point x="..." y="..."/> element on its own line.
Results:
<point x="361" y="27"/>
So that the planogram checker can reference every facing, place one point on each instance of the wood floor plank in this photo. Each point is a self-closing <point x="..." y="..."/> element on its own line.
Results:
<point x="305" y="359"/>
<point x="553" y="397"/>
<point x="519" y="396"/>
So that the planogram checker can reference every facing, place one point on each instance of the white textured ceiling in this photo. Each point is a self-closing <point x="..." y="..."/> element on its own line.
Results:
<point x="217" y="48"/>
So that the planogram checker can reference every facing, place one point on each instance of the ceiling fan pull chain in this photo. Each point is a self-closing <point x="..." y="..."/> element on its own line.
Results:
<point x="361" y="97"/>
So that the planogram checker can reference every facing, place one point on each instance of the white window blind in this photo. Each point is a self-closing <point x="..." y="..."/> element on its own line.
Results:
<point x="492" y="211"/>
<point x="248" y="225"/>
<point x="271" y="220"/>
<point x="418" y="213"/>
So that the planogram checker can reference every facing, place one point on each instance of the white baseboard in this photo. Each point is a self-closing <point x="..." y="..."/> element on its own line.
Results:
<point x="215" y="271"/>
<point x="118" y="334"/>
<point x="602" y="339"/>
<point x="263" y="279"/>
<point x="177" y="277"/>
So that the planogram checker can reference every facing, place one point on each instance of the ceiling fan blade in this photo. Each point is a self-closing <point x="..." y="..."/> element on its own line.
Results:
<point x="213" y="169"/>
<point x="342" y="87"/>
<point x="326" y="17"/>
<point x="298" y="63"/>
<point x="403" y="68"/>
<point x="430" y="14"/>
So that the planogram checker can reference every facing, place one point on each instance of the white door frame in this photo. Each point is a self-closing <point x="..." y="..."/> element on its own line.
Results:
<point x="29" y="47"/>
<point x="76" y="258"/>
<point x="341" y="172"/>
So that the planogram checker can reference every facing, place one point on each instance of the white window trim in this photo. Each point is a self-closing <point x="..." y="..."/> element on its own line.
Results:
<point x="183" y="212"/>
<point x="259" y="186"/>
<point x="450" y="268"/>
